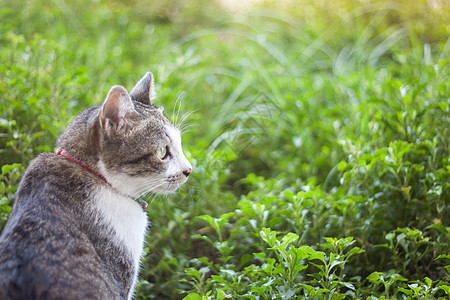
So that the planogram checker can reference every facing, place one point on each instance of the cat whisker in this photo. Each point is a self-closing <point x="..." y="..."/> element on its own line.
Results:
<point x="151" y="188"/>
<point x="178" y="112"/>
<point x="169" y="187"/>
<point x="184" y="117"/>
<point x="185" y="131"/>
<point x="185" y="128"/>
<point x="188" y="125"/>
<point x="148" y="182"/>
<point x="150" y="197"/>
<point x="177" y="108"/>
<point x="147" y="186"/>
<point x="168" y="198"/>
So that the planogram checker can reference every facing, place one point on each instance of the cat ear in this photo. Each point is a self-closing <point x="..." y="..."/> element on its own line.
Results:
<point x="144" y="90"/>
<point x="116" y="106"/>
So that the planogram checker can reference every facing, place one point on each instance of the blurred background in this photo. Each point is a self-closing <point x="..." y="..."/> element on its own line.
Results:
<point x="323" y="118"/>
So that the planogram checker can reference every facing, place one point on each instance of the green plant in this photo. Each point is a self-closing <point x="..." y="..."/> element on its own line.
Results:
<point x="282" y="276"/>
<point x="9" y="180"/>
<point x="325" y="121"/>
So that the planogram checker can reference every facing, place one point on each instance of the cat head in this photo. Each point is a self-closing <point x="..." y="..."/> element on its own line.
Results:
<point x="140" y="150"/>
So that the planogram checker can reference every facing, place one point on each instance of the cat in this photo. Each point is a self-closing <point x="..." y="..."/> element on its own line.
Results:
<point x="76" y="230"/>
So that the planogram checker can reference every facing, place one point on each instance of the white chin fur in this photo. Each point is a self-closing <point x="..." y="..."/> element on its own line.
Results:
<point x="169" y="188"/>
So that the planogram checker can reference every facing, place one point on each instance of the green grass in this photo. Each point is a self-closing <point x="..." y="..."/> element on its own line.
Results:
<point x="319" y="136"/>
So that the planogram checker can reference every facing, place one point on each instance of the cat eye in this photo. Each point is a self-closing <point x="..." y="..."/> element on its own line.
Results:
<point x="162" y="152"/>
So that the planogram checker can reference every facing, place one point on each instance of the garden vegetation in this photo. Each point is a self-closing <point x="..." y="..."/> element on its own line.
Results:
<point x="318" y="131"/>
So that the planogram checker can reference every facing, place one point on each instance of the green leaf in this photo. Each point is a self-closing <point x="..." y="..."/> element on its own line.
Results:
<point x="397" y="277"/>
<point x="192" y="297"/>
<point x="261" y="255"/>
<point x="289" y="238"/>
<point x="219" y="279"/>
<point x="445" y="288"/>
<point x="335" y="263"/>
<point x="342" y="165"/>
<point x="269" y="236"/>
<point x="289" y="195"/>
<point x="7" y="168"/>
<point x="429" y="282"/>
<point x="355" y="250"/>
<point x="389" y="236"/>
<point x="298" y="268"/>
<point x="405" y="291"/>
<point x="228" y="272"/>
<point x="309" y="290"/>
<point x="298" y="253"/>
<point x="205" y="238"/>
<point x="375" y="277"/>
<point x="318" y="255"/>
<point x="207" y="218"/>
<point x="250" y="296"/>
<point x="443" y="256"/>
<point x="348" y="285"/>
<point x="322" y="291"/>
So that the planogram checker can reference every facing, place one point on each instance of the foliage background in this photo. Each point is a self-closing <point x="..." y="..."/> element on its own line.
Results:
<point x="325" y="121"/>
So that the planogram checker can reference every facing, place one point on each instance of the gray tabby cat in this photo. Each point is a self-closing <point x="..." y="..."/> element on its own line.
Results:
<point x="76" y="230"/>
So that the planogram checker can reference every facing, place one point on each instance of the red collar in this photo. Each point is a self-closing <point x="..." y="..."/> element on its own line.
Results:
<point x="79" y="162"/>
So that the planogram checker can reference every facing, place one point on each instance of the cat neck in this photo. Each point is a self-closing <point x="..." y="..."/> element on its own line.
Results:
<point x="79" y="162"/>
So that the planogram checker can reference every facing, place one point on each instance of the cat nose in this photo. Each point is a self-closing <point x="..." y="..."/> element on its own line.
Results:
<point x="187" y="172"/>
